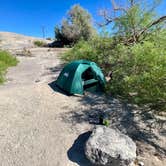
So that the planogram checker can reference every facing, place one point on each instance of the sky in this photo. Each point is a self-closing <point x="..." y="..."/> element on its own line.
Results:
<point x="29" y="16"/>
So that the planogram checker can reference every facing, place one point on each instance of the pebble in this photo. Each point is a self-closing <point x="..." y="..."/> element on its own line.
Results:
<point x="140" y="163"/>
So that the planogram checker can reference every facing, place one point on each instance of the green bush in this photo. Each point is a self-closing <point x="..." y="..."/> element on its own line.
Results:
<point x="6" y="60"/>
<point x="139" y="74"/>
<point x="97" y="49"/>
<point x="77" y="25"/>
<point x="48" y="38"/>
<point x="139" y="71"/>
<point x="39" y="43"/>
<point x="82" y="50"/>
<point x="106" y="123"/>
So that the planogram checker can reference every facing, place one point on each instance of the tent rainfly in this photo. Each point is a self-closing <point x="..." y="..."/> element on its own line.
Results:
<point x="80" y="75"/>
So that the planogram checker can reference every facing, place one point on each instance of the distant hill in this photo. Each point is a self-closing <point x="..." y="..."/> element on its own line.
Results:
<point x="10" y="41"/>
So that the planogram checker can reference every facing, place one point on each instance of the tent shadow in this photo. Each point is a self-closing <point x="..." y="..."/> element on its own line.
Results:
<point x="55" y="88"/>
<point x="76" y="152"/>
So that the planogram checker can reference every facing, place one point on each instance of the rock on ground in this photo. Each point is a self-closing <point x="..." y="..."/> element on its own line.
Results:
<point x="108" y="146"/>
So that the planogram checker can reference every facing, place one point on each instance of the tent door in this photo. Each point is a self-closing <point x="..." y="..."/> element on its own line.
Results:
<point x="89" y="80"/>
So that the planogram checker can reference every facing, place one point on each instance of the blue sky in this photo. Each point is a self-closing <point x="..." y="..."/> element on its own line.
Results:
<point x="28" y="16"/>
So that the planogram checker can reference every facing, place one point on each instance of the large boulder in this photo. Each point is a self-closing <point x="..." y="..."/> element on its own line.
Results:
<point x="109" y="147"/>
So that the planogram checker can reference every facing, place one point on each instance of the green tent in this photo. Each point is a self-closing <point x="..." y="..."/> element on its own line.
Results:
<point x="80" y="75"/>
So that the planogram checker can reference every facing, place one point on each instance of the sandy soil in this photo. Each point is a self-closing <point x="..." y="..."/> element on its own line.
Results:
<point x="31" y="129"/>
<point x="41" y="126"/>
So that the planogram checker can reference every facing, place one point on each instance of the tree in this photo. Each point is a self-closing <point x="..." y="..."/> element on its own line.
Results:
<point x="77" y="25"/>
<point x="133" y="23"/>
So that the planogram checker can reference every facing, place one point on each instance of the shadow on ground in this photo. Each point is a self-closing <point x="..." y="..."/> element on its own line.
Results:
<point x="76" y="152"/>
<point x="55" y="88"/>
<point x="129" y="119"/>
<point x="56" y="69"/>
<point x="53" y="71"/>
<point x="136" y="122"/>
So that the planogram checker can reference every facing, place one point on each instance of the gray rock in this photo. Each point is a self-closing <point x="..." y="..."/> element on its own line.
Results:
<point x="140" y="163"/>
<point x="109" y="147"/>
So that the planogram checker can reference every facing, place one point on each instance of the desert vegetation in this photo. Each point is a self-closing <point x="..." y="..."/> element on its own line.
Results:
<point x="39" y="43"/>
<point x="77" y="25"/>
<point x="132" y="48"/>
<point x="6" y="60"/>
<point x="135" y="52"/>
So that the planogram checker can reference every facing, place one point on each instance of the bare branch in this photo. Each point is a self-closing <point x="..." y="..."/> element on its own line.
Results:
<point x="106" y="22"/>
<point x="134" y="33"/>
<point x="159" y="20"/>
<point x="132" y="39"/>
<point x="108" y="19"/>
<point x="114" y="4"/>
<point x="132" y="3"/>
<point x="104" y="13"/>
<point x="115" y="7"/>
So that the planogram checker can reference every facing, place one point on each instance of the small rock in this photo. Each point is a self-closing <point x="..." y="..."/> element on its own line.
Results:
<point x="108" y="146"/>
<point x="37" y="80"/>
<point x="140" y="163"/>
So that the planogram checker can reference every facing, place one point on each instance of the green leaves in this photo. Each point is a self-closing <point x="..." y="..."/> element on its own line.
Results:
<point x="77" y="25"/>
<point x="39" y="43"/>
<point x="139" y="71"/>
<point x="141" y="77"/>
<point x="136" y="22"/>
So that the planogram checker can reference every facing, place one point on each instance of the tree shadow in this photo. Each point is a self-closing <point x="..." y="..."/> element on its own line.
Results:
<point x="76" y="153"/>
<point x="56" y="68"/>
<point x="54" y="71"/>
<point x="127" y="118"/>
<point x="131" y="120"/>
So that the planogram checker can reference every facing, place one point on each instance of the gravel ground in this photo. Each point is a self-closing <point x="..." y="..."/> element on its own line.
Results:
<point x="31" y="130"/>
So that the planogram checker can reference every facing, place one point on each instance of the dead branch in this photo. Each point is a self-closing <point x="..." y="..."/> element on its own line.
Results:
<point x="108" y="19"/>
<point x="136" y="37"/>
<point x="115" y="7"/>
<point x="159" y="20"/>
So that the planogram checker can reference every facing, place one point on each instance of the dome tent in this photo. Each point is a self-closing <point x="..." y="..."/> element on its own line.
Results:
<point x="79" y="75"/>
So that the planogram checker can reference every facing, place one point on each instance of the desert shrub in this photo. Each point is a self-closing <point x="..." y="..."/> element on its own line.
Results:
<point x="139" y="74"/>
<point x="48" y="38"/>
<point x="24" y="52"/>
<point x="97" y="49"/>
<point x="139" y="71"/>
<point x="81" y="50"/>
<point x="39" y="43"/>
<point x="6" y="60"/>
<point x="135" y="53"/>
<point x="77" y="25"/>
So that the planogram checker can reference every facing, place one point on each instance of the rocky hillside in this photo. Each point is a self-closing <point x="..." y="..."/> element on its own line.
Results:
<point x="12" y="41"/>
